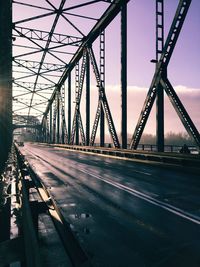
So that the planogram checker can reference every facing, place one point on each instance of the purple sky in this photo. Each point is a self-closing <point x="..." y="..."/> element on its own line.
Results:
<point x="184" y="65"/>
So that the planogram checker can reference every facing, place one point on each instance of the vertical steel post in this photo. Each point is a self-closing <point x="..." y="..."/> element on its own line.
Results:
<point x="69" y="107"/>
<point x="87" y="100"/>
<point x="5" y="80"/>
<point x="160" y="92"/>
<point x="63" y="115"/>
<point x="102" y="77"/>
<point x="48" y="128"/>
<point x="124" y="75"/>
<point x="54" y="123"/>
<point x="77" y="89"/>
<point x="58" y="119"/>
<point x="45" y="130"/>
<point x="35" y="132"/>
<point x="50" y="124"/>
<point x="102" y="128"/>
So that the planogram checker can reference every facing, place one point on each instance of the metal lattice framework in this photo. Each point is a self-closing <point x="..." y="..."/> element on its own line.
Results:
<point x="54" y="42"/>
<point x="160" y="79"/>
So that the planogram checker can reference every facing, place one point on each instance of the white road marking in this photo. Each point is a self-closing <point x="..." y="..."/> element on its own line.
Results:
<point x="141" y="172"/>
<point x="161" y="204"/>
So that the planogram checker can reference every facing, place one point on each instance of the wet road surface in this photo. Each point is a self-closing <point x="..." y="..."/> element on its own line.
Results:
<point x="123" y="213"/>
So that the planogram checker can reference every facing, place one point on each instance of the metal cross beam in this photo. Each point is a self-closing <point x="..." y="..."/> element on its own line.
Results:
<point x="57" y="38"/>
<point x="47" y="44"/>
<point x="181" y="111"/>
<point x="35" y="65"/>
<point x="102" y="23"/>
<point x="103" y="103"/>
<point x="160" y="74"/>
<point x="77" y="115"/>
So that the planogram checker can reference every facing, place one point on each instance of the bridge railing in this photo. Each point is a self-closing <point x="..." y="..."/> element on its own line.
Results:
<point x="153" y="148"/>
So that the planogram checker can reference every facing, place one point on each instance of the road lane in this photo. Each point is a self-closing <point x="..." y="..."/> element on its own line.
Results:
<point x="103" y="199"/>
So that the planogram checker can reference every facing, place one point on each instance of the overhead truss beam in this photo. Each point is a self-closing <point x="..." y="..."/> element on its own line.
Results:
<point x="100" y="26"/>
<point x="57" y="38"/>
<point x="29" y="64"/>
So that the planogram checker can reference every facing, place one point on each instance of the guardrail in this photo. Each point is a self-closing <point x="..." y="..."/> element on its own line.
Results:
<point x="23" y="247"/>
<point x="153" y="148"/>
<point x="30" y="212"/>
<point x="31" y="246"/>
<point x="186" y="161"/>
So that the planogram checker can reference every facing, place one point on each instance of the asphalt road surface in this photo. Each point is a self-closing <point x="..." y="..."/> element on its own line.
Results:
<point x="124" y="214"/>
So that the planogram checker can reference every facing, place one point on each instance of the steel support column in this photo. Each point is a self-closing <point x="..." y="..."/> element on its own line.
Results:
<point x="77" y="88"/>
<point x="44" y="135"/>
<point x="77" y="132"/>
<point x="62" y="111"/>
<point x="124" y="76"/>
<point x="102" y="128"/>
<point x="160" y="92"/>
<point x="5" y="80"/>
<point x="50" y="124"/>
<point x="54" y="122"/>
<point x="69" y="107"/>
<point x="102" y="78"/>
<point x="160" y="72"/>
<point x="87" y="100"/>
<point x="58" y="121"/>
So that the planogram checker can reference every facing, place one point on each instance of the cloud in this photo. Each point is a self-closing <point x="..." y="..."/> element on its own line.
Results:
<point x="190" y="98"/>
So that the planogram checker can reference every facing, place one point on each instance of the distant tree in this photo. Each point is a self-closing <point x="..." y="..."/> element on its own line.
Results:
<point x="148" y="139"/>
<point x="178" y="139"/>
<point x="171" y="138"/>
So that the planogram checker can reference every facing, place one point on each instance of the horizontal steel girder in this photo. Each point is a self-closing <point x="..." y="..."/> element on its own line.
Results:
<point x="39" y="35"/>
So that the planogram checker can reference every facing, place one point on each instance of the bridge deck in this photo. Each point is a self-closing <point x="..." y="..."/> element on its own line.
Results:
<point x="123" y="213"/>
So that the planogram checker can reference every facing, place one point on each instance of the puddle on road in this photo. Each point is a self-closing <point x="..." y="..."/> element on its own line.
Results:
<point x="79" y="223"/>
<point x="80" y="216"/>
<point x="68" y="205"/>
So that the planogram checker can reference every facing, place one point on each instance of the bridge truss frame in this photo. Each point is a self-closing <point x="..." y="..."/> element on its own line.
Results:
<point x="160" y="82"/>
<point x="58" y="76"/>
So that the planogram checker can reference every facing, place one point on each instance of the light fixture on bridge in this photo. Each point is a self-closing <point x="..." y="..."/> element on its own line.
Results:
<point x="154" y="61"/>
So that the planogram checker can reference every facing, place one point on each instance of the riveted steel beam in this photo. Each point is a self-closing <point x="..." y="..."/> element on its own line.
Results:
<point x="161" y="68"/>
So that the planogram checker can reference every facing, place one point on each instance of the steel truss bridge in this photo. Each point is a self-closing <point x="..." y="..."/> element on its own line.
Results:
<point x="49" y="45"/>
<point x="64" y="201"/>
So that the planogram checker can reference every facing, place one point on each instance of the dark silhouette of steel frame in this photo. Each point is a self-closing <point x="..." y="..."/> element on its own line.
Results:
<point x="5" y="80"/>
<point x="51" y="103"/>
<point x="103" y="106"/>
<point x="160" y="92"/>
<point x="160" y="82"/>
